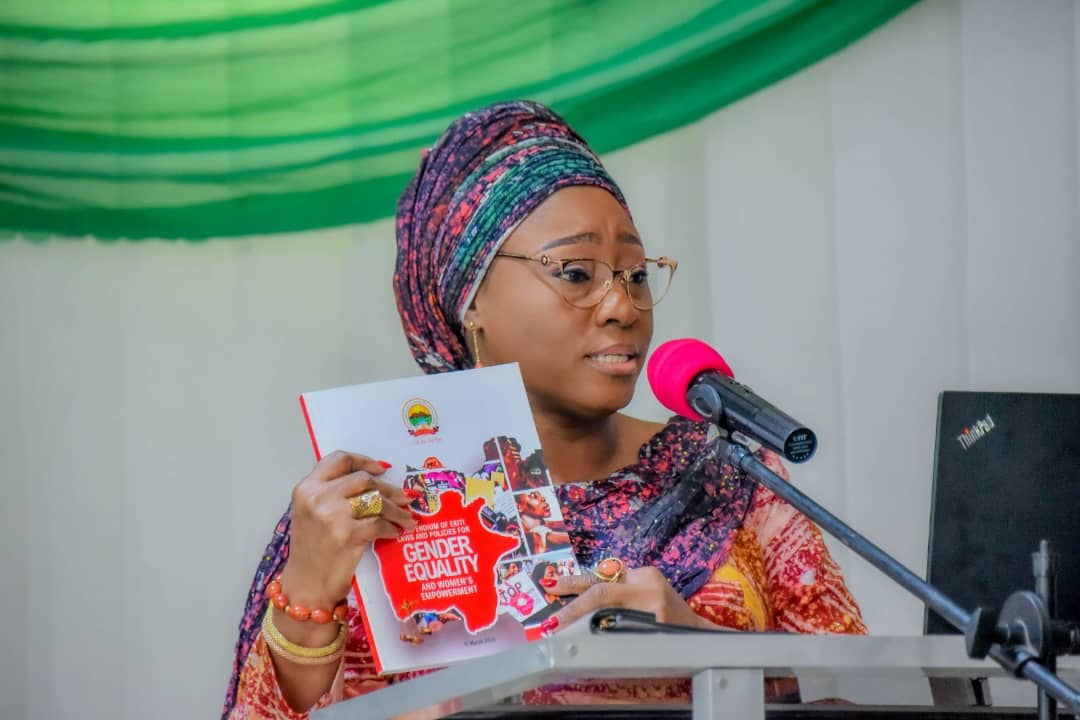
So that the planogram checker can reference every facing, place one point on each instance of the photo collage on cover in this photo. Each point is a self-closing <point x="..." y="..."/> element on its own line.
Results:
<point x="519" y="501"/>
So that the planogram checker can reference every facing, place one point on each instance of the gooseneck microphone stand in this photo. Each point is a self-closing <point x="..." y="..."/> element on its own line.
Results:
<point x="1021" y="638"/>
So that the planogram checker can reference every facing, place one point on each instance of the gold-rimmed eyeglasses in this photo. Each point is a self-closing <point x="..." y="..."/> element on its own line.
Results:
<point x="584" y="282"/>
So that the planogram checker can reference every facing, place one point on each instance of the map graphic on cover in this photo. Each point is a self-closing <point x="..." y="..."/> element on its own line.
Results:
<point x="466" y="581"/>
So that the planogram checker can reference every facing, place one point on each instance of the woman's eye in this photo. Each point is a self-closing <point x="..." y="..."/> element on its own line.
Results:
<point x="574" y="274"/>
<point x="639" y="276"/>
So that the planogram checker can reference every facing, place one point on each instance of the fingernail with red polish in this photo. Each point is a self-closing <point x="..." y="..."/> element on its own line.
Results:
<point x="549" y="625"/>
<point x="548" y="582"/>
<point x="385" y="465"/>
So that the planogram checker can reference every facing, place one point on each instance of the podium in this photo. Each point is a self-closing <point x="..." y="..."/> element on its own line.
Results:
<point x="727" y="671"/>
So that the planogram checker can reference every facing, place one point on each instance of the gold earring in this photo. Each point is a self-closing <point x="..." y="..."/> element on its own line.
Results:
<point x="476" y="343"/>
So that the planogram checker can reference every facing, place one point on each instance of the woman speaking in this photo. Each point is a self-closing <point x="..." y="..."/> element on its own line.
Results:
<point x="515" y="245"/>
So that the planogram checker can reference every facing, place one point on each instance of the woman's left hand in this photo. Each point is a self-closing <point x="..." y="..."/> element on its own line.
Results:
<point x="644" y="589"/>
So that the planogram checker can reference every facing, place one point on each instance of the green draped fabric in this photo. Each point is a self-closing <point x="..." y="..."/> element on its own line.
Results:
<point x="201" y="118"/>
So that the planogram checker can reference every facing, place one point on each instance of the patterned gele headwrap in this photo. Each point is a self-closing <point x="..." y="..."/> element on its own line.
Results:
<point x="487" y="172"/>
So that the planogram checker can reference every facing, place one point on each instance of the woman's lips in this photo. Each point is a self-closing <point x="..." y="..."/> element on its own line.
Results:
<point x="614" y="363"/>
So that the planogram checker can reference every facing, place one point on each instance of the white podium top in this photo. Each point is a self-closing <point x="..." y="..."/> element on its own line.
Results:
<point x="727" y="664"/>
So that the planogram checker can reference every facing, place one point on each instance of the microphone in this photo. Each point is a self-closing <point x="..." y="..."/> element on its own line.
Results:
<point x="691" y="379"/>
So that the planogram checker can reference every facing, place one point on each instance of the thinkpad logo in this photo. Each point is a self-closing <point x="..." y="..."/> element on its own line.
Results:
<point x="975" y="431"/>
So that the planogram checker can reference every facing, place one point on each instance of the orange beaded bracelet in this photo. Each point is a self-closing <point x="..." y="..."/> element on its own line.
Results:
<point x="300" y="613"/>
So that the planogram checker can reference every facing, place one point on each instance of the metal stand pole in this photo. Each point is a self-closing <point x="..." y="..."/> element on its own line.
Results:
<point x="734" y="694"/>
<point x="1042" y="562"/>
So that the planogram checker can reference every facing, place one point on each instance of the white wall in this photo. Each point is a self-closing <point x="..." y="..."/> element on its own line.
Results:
<point x="931" y="242"/>
<point x="896" y="220"/>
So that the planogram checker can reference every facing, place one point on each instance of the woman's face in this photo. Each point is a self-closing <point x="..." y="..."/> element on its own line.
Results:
<point x="577" y="362"/>
<point x="534" y="504"/>
<point x="551" y="572"/>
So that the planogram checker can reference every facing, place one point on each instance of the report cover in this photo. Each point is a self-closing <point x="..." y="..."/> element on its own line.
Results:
<point x="466" y="581"/>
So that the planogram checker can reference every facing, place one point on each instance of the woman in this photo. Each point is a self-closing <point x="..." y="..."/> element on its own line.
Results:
<point x="534" y="471"/>
<point x="508" y="450"/>
<point x="541" y="532"/>
<point x="544" y="576"/>
<point x="514" y="244"/>
<point x="417" y="490"/>
<point x="511" y="569"/>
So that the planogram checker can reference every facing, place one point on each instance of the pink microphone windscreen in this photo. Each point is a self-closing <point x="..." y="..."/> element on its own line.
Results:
<point x="674" y="365"/>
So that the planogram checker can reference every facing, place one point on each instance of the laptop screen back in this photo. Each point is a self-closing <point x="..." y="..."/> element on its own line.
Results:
<point x="1006" y="475"/>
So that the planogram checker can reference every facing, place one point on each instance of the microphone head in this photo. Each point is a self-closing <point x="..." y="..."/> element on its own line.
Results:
<point x="673" y="367"/>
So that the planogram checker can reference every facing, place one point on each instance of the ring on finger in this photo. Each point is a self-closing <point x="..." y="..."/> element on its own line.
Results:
<point x="367" y="504"/>
<point x="609" y="570"/>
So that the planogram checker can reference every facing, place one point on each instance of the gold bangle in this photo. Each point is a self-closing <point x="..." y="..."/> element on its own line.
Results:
<point x="287" y="656"/>
<point x="283" y="643"/>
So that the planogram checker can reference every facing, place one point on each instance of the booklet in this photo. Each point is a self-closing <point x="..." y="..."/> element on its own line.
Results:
<point x="466" y="581"/>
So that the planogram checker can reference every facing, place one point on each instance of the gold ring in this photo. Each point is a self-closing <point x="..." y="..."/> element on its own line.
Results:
<point x="366" y="504"/>
<point x="610" y="570"/>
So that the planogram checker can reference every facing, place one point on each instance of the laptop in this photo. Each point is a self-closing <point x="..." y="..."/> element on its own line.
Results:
<point x="1006" y="475"/>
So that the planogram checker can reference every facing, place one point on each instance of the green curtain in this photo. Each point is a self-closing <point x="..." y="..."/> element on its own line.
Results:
<point x="202" y="118"/>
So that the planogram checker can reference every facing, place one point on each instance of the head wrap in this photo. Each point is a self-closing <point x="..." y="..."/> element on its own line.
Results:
<point x="487" y="172"/>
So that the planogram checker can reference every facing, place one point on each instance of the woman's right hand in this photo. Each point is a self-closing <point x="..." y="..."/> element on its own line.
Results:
<point x="327" y="540"/>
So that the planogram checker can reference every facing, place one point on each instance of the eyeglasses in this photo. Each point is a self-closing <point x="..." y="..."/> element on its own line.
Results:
<point x="584" y="282"/>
